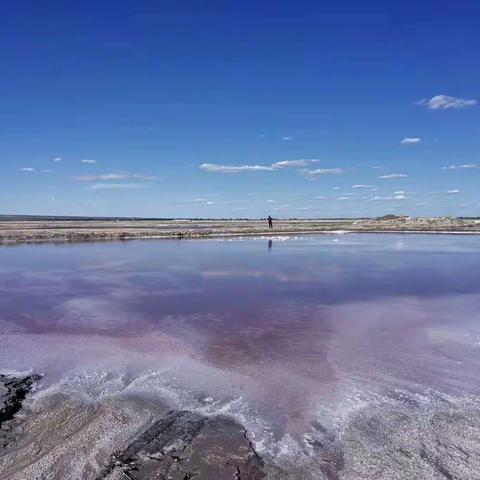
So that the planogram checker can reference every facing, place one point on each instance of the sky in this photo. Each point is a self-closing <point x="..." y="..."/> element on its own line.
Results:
<point x="240" y="109"/>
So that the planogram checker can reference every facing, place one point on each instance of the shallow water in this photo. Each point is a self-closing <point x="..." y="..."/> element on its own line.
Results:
<point x="295" y="337"/>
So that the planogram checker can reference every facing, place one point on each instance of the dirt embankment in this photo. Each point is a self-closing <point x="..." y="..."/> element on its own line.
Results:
<point x="14" y="231"/>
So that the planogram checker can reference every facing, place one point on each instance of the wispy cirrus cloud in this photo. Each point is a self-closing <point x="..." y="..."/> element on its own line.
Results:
<point x="379" y="199"/>
<point x="318" y="172"/>
<point x="393" y="175"/>
<point x="88" y="161"/>
<point x="410" y="140"/>
<point x="301" y="163"/>
<point x="27" y="169"/>
<point x="288" y="138"/>
<point x="361" y="185"/>
<point x="283" y="164"/>
<point x="388" y="199"/>
<point x="445" y="102"/>
<point x="213" y="167"/>
<point x="56" y="159"/>
<point x="113" y="176"/>
<point x="452" y="191"/>
<point x="203" y="201"/>
<point x="465" y="166"/>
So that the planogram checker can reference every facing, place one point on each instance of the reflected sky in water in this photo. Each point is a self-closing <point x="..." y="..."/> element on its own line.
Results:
<point x="293" y="323"/>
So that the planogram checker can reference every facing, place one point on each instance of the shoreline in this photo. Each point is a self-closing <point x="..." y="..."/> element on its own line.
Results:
<point x="136" y="437"/>
<point x="77" y="231"/>
<point x="213" y="236"/>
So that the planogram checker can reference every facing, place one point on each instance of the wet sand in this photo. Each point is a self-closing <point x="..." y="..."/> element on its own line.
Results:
<point x="24" y="231"/>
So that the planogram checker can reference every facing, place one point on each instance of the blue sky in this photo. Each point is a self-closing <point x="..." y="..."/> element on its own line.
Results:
<point x="240" y="109"/>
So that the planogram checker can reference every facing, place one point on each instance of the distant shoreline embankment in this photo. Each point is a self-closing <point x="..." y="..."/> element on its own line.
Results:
<point x="55" y="230"/>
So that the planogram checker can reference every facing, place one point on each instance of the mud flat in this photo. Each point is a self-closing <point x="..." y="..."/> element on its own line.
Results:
<point x="26" y="231"/>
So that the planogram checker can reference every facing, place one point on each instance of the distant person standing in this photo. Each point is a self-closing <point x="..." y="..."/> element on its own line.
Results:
<point x="270" y="222"/>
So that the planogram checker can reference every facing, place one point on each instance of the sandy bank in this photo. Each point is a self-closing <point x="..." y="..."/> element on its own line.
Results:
<point x="28" y="231"/>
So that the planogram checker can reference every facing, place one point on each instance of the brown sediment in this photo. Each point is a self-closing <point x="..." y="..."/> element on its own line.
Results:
<point x="31" y="231"/>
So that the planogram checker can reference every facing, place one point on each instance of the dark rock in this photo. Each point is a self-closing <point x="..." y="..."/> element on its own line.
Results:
<point x="13" y="391"/>
<point x="185" y="445"/>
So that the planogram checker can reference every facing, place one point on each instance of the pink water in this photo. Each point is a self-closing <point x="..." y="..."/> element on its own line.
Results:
<point x="282" y="335"/>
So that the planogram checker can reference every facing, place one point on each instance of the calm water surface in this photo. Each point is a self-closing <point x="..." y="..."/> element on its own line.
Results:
<point x="285" y="335"/>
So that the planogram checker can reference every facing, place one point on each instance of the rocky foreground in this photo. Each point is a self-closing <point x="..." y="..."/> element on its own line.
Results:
<point x="184" y="445"/>
<point x="12" y="394"/>
<point x="62" y="437"/>
<point x="23" y="231"/>
<point x="178" y="445"/>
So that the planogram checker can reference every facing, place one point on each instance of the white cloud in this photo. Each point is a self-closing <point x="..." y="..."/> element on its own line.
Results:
<point x="209" y="203"/>
<point x="377" y="199"/>
<point x="303" y="162"/>
<point x="116" y="186"/>
<point x="212" y="167"/>
<point x="359" y="185"/>
<point x="47" y="171"/>
<point x="465" y="166"/>
<point x="335" y="188"/>
<point x="346" y="198"/>
<point x="444" y="102"/>
<point x="394" y="175"/>
<point x="86" y="160"/>
<point x="452" y="192"/>
<point x="322" y="171"/>
<point x="288" y="138"/>
<point x="27" y="169"/>
<point x="270" y="201"/>
<point x="400" y="192"/>
<point x="411" y="140"/>
<point x="113" y="176"/>
<point x="387" y="199"/>
<point x="56" y="159"/>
